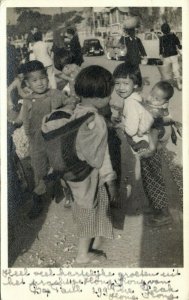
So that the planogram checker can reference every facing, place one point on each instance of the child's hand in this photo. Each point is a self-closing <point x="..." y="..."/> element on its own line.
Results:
<point x="145" y="153"/>
<point x="112" y="190"/>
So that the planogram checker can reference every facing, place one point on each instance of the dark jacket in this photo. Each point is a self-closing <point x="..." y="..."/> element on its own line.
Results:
<point x="135" y="49"/>
<point x="75" y="49"/>
<point x="168" y="45"/>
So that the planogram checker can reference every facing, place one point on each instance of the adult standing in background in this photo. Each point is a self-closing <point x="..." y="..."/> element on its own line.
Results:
<point x="134" y="47"/>
<point x="169" y="45"/>
<point x="75" y="47"/>
<point x="30" y="41"/>
<point x="43" y="53"/>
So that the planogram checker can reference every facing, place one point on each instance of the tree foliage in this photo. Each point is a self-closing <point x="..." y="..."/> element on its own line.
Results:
<point x="28" y="18"/>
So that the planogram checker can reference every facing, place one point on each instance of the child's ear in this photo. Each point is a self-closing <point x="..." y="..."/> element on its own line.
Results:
<point x="26" y="82"/>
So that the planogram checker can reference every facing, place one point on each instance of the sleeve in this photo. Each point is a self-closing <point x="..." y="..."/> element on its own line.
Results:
<point x="25" y="116"/>
<point x="59" y="99"/>
<point x="141" y="48"/>
<point x="177" y="42"/>
<point x="106" y="171"/>
<point x="131" y="118"/>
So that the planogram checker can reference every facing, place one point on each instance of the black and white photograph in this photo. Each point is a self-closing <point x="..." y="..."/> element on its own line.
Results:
<point x="95" y="140"/>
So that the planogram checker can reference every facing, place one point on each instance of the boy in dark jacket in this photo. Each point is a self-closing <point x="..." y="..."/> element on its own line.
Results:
<point x="169" y="45"/>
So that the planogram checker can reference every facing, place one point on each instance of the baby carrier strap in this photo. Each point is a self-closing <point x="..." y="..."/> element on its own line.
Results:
<point x="61" y="148"/>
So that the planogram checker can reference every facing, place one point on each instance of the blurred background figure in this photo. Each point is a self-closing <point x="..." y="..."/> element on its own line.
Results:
<point x="75" y="47"/>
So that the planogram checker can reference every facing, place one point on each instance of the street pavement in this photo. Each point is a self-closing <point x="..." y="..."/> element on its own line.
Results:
<point x="51" y="240"/>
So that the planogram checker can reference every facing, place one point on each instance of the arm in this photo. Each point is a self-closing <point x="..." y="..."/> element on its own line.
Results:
<point x="177" y="42"/>
<point x="27" y="105"/>
<point x="141" y="48"/>
<point x="63" y="76"/>
<point x="131" y="118"/>
<point x="11" y="87"/>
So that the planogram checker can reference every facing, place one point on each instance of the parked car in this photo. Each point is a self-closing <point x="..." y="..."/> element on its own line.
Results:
<point x="112" y="49"/>
<point x="92" y="47"/>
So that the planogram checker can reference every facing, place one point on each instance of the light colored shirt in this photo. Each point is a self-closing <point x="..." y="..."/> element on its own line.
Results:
<point x="135" y="117"/>
<point x="41" y="52"/>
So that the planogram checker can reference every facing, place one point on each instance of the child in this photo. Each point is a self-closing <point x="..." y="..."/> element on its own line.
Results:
<point x="137" y="119"/>
<point x="84" y="161"/>
<point x="41" y="102"/>
<point x="42" y="52"/>
<point x="169" y="45"/>
<point x="19" y="87"/>
<point x="69" y="73"/>
<point x="139" y="115"/>
<point x="75" y="47"/>
<point x="135" y="48"/>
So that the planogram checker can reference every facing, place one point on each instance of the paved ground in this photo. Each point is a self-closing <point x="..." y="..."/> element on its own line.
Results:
<point x="51" y="239"/>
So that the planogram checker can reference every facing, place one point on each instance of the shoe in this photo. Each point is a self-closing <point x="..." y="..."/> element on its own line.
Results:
<point x="67" y="203"/>
<point x="37" y="207"/>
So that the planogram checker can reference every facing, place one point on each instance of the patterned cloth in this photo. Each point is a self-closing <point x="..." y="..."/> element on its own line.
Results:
<point x="95" y="221"/>
<point x="153" y="182"/>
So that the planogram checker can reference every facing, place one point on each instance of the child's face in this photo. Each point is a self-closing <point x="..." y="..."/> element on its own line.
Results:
<point x="157" y="97"/>
<point x="37" y="81"/>
<point x="68" y="70"/>
<point x="124" y="87"/>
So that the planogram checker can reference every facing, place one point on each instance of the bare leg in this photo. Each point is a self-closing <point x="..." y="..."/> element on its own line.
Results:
<point x="83" y="250"/>
<point x="97" y="242"/>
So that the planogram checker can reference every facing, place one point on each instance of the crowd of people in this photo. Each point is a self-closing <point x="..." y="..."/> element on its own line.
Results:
<point x="71" y="134"/>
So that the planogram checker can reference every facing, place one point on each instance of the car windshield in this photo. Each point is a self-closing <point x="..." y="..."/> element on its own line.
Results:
<point x="91" y="43"/>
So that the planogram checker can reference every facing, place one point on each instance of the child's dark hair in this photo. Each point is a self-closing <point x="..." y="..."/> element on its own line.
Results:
<point x="166" y="87"/>
<point x="70" y="31"/>
<point x="21" y="69"/>
<point x="33" y="66"/>
<point x="38" y="36"/>
<point x="125" y="70"/>
<point x="66" y="59"/>
<point x="165" y="28"/>
<point x="94" y="82"/>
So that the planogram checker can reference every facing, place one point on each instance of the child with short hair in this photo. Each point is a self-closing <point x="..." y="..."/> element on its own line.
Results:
<point x="137" y="121"/>
<point x="19" y="87"/>
<point x="168" y="47"/>
<point x="84" y="161"/>
<point x="69" y="73"/>
<point x="40" y="102"/>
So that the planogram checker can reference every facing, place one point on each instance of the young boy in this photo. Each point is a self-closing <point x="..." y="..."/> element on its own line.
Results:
<point x="41" y="102"/>
<point x="137" y="121"/>
<point x="168" y="48"/>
